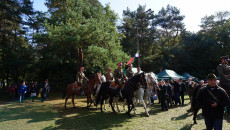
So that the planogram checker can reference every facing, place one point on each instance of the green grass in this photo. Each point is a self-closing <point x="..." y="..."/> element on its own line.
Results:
<point x="52" y="115"/>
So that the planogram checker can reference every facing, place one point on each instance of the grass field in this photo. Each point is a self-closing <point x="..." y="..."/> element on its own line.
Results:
<point x="52" y="115"/>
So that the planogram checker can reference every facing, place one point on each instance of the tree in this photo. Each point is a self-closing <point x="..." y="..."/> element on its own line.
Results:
<point x="16" y="52"/>
<point x="74" y="27"/>
<point x="137" y="30"/>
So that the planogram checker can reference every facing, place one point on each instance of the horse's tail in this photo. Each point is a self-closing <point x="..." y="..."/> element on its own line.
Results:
<point x="99" y="94"/>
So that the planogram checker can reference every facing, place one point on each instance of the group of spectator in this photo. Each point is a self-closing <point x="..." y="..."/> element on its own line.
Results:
<point x="32" y="90"/>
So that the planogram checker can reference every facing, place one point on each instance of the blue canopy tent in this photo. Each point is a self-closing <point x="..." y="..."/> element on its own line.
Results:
<point x="187" y="75"/>
<point x="168" y="75"/>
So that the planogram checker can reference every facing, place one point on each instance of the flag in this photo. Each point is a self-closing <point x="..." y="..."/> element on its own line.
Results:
<point x="130" y="61"/>
<point x="137" y="54"/>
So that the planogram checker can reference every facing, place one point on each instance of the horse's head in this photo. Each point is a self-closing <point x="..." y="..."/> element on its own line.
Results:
<point x="98" y="78"/>
<point x="143" y="80"/>
<point x="103" y="79"/>
<point x="151" y="78"/>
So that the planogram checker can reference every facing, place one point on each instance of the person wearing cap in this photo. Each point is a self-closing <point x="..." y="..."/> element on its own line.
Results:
<point x="224" y="72"/>
<point x="119" y="75"/>
<point x="138" y="71"/>
<point x="81" y="79"/>
<point x="212" y="99"/>
<point x="129" y="72"/>
<point x="109" y="75"/>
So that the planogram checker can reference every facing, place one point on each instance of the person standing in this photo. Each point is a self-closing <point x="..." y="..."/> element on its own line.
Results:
<point x="129" y="72"/>
<point x="176" y="88"/>
<point x="224" y="72"/>
<point x="21" y="91"/>
<point x="109" y="75"/>
<point x="212" y="99"/>
<point x="182" y="90"/>
<point x="33" y="91"/>
<point x="45" y="90"/>
<point x="163" y="90"/>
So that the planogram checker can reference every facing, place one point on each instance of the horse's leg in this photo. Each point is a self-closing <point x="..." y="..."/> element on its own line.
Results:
<point x="104" y="105"/>
<point x="73" y="96"/>
<point x="111" y="103"/>
<point x="128" y="103"/>
<point x="66" y="99"/>
<point x="102" y="100"/>
<point x="140" y="96"/>
<point x="116" y="101"/>
<point x="125" y="100"/>
<point x="134" y="106"/>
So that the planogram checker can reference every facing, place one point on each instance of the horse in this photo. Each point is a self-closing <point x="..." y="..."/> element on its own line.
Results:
<point x="151" y="79"/>
<point x="130" y="87"/>
<point x="109" y="90"/>
<point x="97" y="88"/>
<point x="141" y="92"/>
<point x="75" y="89"/>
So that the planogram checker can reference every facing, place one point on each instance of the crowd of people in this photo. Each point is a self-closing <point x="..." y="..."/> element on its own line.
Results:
<point x="29" y="90"/>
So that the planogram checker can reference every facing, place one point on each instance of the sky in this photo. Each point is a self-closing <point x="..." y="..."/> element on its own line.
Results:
<point x="193" y="10"/>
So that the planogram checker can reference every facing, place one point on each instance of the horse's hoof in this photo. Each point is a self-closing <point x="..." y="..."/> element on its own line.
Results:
<point x="105" y="109"/>
<point x="195" y="122"/>
<point x="147" y="115"/>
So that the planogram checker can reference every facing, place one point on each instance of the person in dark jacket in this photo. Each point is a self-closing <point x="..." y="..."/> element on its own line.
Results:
<point x="182" y="90"/>
<point x="45" y="90"/>
<point x="177" y="92"/>
<point x="33" y="91"/>
<point x="163" y="90"/>
<point x="224" y="72"/>
<point x="212" y="99"/>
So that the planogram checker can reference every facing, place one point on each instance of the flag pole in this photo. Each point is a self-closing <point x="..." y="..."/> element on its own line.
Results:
<point x="138" y="49"/>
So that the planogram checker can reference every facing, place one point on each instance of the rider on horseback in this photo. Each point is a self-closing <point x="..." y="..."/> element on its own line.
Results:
<point x="129" y="72"/>
<point x="119" y="75"/>
<point x="81" y="79"/>
<point x="109" y="75"/>
<point x="224" y="73"/>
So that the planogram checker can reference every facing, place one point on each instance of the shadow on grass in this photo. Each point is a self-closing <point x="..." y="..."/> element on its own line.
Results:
<point x="83" y="118"/>
<point x="31" y="111"/>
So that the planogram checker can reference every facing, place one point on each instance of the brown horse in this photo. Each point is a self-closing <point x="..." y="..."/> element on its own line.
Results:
<point x="75" y="89"/>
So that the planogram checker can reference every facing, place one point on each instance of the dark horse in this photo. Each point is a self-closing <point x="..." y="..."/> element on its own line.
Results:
<point x="130" y="87"/>
<point x="75" y="89"/>
<point x="108" y="91"/>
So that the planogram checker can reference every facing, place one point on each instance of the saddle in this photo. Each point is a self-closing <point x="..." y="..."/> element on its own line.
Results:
<point x="76" y="87"/>
<point x="114" y="84"/>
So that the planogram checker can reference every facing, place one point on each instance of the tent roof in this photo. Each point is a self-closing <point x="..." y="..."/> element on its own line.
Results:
<point x="187" y="75"/>
<point x="169" y="74"/>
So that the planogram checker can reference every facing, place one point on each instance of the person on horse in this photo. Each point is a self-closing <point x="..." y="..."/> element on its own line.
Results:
<point x="138" y="71"/>
<point x="129" y="72"/>
<point x="81" y="79"/>
<point x="224" y="72"/>
<point x="109" y="76"/>
<point x="119" y="75"/>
